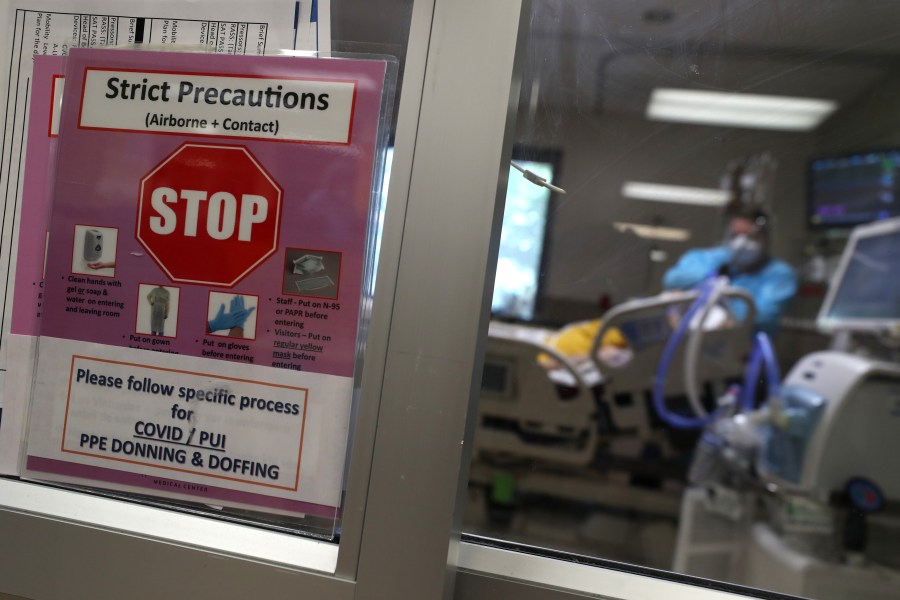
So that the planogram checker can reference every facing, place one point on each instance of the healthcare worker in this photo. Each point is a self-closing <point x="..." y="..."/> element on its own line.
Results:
<point x="744" y="258"/>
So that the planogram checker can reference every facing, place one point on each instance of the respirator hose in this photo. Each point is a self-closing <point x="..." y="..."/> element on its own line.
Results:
<point x="762" y="353"/>
<point x="697" y="330"/>
<point x="659" y="379"/>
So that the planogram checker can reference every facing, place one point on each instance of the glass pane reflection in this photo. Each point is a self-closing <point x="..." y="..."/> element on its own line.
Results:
<point x="726" y="165"/>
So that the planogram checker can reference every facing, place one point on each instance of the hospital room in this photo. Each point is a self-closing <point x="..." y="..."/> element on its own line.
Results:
<point x="693" y="357"/>
<point x="531" y="299"/>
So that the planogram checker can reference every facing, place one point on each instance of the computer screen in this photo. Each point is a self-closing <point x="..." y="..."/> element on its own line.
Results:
<point x="522" y="239"/>
<point x="865" y="292"/>
<point x="845" y="191"/>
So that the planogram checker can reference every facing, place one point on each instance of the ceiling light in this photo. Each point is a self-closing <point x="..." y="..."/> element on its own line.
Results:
<point x="654" y="232"/>
<point x="679" y="194"/>
<point x="754" y="111"/>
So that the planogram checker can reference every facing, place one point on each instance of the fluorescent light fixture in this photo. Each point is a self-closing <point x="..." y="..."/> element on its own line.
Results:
<point x="654" y="232"/>
<point x="754" y="111"/>
<point x="678" y="194"/>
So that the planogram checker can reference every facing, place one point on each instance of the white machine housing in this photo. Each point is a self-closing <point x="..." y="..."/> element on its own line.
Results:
<point x="857" y="433"/>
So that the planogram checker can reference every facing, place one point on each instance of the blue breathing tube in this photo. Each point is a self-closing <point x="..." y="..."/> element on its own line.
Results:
<point x="662" y="369"/>
<point x="762" y="353"/>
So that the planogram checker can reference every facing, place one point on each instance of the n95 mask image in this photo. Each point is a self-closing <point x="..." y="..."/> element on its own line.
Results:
<point x="308" y="264"/>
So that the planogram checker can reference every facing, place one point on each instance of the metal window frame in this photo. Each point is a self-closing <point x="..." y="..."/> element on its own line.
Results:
<point x="492" y="571"/>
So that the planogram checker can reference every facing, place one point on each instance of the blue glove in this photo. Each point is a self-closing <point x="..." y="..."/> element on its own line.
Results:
<point x="221" y="320"/>
<point x="238" y="313"/>
<point x="236" y="317"/>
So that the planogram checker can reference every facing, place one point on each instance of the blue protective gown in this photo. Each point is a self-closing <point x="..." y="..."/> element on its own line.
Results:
<point x="771" y="287"/>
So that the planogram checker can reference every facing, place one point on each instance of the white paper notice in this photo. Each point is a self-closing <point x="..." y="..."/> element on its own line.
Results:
<point x="51" y="27"/>
<point x="190" y="421"/>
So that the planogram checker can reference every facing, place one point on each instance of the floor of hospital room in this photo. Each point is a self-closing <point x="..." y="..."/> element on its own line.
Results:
<point x="578" y="528"/>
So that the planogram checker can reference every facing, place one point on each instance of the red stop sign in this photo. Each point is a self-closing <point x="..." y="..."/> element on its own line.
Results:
<point x="209" y="214"/>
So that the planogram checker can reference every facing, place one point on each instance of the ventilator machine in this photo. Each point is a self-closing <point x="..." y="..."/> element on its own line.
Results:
<point x="793" y="485"/>
<point x="801" y="495"/>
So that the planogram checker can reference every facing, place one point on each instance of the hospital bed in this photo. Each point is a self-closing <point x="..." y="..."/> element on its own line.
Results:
<point x="526" y="411"/>
<point x="561" y="415"/>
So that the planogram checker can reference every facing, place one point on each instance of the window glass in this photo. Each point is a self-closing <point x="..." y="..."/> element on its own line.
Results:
<point x="307" y="277"/>
<point x="689" y="365"/>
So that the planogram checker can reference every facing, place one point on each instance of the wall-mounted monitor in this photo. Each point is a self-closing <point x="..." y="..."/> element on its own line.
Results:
<point x="853" y="189"/>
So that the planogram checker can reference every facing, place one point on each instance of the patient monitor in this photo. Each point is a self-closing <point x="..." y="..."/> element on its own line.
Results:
<point x="865" y="292"/>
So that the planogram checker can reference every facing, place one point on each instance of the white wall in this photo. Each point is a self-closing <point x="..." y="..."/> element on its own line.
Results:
<point x="586" y="257"/>
<point x="873" y="123"/>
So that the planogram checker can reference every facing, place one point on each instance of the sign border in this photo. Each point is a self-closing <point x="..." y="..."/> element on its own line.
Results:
<point x="202" y="474"/>
<point x="355" y="83"/>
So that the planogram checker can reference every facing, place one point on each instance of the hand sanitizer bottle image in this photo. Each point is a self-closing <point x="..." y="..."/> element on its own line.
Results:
<point x="93" y="245"/>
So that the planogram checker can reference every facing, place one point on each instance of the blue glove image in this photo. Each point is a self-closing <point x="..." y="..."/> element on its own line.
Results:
<point x="236" y="317"/>
<point x="239" y="312"/>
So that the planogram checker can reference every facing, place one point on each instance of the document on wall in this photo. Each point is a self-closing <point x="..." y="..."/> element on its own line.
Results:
<point x="50" y="28"/>
<point x="204" y="276"/>
<point x="32" y="225"/>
